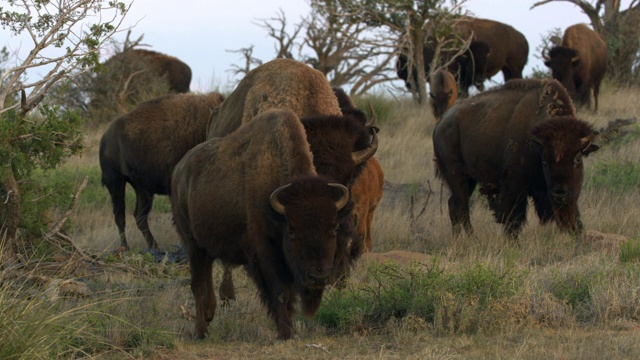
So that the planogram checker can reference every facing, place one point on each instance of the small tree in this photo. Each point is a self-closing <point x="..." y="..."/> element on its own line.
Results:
<point x="65" y="37"/>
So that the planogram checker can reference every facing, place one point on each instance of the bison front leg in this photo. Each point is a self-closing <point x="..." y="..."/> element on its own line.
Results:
<point x="512" y="210"/>
<point x="201" y="267"/>
<point x="227" y="289"/>
<point x="144" y="203"/>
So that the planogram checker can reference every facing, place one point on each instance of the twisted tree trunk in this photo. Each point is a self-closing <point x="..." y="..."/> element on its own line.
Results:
<point x="9" y="216"/>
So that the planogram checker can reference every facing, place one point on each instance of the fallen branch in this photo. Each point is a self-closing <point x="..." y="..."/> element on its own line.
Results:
<point x="612" y="130"/>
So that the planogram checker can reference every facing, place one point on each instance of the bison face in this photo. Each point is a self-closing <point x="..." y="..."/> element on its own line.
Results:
<point x="561" y="144"/>
<point x="311" y="209"/>
<point x="563" y="62"/>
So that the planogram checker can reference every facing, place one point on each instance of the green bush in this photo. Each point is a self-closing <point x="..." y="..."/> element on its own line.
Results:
<point x="445" y="299"/>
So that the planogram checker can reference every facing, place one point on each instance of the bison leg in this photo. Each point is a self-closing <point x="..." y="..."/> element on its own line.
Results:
<point x="461" y="189"/>
<point x="227" y="289"/>
<point x="512" y="210"/>
<point x="201" y="267"/>
<point x="368" y="239"/>
<point x="116" y="186"/>
<point x="543" y="205"/>
<point x="144" y="202"/>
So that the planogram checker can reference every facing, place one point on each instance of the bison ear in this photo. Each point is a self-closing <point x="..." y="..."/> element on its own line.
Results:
<point x="587" y="143"/>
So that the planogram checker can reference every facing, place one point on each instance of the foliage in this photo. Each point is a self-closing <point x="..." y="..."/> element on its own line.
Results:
<point x="613" y="176"/>
<point x="630" y="251"/>
<point x="433" y="294"/>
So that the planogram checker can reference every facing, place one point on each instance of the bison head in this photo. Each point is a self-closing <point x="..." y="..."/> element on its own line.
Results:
<point x="312" y="208"/>
<point x="561" y="143"/>
<point x="563" y="62"/>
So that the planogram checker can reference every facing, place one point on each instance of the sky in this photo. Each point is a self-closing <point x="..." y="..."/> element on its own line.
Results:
<point x="201" y="32"/>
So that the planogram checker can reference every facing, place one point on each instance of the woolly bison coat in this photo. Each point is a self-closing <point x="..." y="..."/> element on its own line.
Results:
<point x="519" y="140"/>
<point x="579" y="63"/>
<point x="340" y="144"/>
<point x="176" y="72"/>
<point x="223" y="192"/>
<point x="143" y="146"/>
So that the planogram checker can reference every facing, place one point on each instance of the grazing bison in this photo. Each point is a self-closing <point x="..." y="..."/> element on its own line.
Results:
<point x="579" y="63"/>
<point x="143" y="146"/>
<point x="516" y="141"/>
<point x="176" y="72"/>
<point x="494" y="47"/>
<point x="443" y="92"/>
<point x="268" y="210"/>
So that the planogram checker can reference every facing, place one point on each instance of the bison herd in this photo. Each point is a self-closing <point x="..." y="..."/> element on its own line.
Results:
<point x="578" y="63"/>
<point x="280" y="176"/>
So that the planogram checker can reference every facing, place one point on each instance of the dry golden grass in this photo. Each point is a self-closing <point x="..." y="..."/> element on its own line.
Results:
<point x="610" y="330"/>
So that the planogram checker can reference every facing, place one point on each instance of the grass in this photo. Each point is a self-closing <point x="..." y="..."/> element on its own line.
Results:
<point x="482" y="296"/>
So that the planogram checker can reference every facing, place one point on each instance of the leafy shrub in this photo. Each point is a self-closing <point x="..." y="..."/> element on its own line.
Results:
<point x="451" y="301"/>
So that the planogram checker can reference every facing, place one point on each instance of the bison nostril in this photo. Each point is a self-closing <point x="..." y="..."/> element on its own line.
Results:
<point x="560" y="193"/>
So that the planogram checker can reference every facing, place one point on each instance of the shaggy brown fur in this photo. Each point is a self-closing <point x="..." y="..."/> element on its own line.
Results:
<point x="519" y="140"/>
<point x="177" y="73"/>
<point x="287" y="255"/>
<point x="142" y="147"/>
<point x="277" y="84"/>
<point x="366" y="192"/>
<point x="495" y="47"/>
<point x="443" y="92"/>
<point x="579" y="63"/>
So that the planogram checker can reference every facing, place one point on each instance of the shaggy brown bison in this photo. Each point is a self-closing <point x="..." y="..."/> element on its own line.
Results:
<point x="579" y="63"/>
<point x="334" y="139"/>
<point x="443" y="92"/>
<point x="494" y="47"/>
<point x="176" y="72"/>
<point x="516" y="141"/>
<point x="367" y="188"/>
<point x="265" y="165"/>
<point x="143" y="146"/>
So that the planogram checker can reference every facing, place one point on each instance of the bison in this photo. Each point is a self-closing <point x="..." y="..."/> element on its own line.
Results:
<point x="443" y="92"/>
<point x="253" y="198"/>
<point x="494" y="47"/>
<point x="579" y="63"/>
<point x="517" y="141"/>
<point x="340" y="144"/>
<point x="176" y="72"/>
<point x="367" y="187"/>
<point x="143" y="146"/>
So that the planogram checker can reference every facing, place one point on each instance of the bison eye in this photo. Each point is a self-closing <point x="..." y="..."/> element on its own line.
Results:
<point x="335" y="231"/>
<point x="578" y="159"/>
<point x="545" y="163"/>
<point x="292" y="234"/>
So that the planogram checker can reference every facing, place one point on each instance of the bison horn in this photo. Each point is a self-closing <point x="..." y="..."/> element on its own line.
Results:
<point x="545" y="56"/>
<point x="374" y="116"/>
<point x="342" y="201"/>
<point x="275" y="203"/>
<point x="363" y="155"/>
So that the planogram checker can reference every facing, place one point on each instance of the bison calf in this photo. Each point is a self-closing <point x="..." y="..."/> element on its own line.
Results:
<point x="143" y="146"/>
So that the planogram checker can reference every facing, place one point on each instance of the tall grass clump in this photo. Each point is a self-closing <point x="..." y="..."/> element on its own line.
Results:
<point x="464" y="301"/>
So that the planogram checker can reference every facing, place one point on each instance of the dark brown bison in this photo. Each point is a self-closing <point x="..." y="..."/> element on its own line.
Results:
<point x="443" y="92"/>
<point x="579" y="63"/>
<point x="340" y="144"/>
<point x="143" y="146"/>
<point x="367" y="187"/>
<point x="494" y="47"/>
<point x="516" y="141"/>
<point x="176" y="72"/>
<point x="267" y="209"/>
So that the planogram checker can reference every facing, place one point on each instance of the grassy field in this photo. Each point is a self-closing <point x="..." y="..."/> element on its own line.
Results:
<point x="546" y="295"/>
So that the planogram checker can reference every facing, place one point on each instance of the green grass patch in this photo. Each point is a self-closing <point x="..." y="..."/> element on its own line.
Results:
<point x="463" y="301"/>
<point x="614" y="176"/>
<point x="630" y="251"/>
